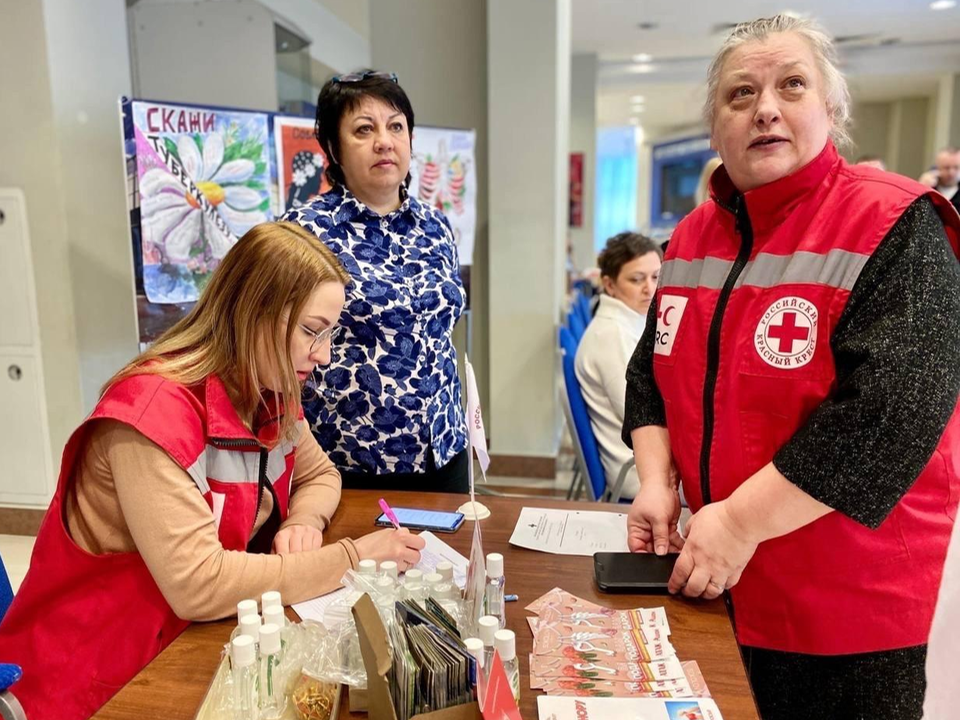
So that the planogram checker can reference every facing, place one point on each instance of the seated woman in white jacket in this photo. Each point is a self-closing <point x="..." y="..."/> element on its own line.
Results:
<point x="629" y="269"/>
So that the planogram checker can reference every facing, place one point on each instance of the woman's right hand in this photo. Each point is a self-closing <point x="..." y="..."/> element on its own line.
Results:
<point x="653" y="517"/>
<point x="401" y="546"/>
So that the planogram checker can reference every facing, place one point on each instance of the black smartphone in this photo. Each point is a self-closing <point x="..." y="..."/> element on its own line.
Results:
<point x="435" y="520"/>
<point x="633" y="572"/>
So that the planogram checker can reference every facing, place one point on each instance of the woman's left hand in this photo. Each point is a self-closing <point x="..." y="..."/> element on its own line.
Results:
<point x="297" y="538"/>
<point x="715" y="553"/>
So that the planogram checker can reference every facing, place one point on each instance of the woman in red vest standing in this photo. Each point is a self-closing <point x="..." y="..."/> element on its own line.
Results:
<point x="195" y="483"/>
<point x="799" y="376"/>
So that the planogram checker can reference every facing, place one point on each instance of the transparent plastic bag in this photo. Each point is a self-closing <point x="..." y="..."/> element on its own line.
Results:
<point x="219" y="701"/>
<point x="313" y="699"/>
<point x="336" y="657"/>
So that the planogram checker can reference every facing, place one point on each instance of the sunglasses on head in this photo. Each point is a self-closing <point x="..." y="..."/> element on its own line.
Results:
<point x="358" y="77"/>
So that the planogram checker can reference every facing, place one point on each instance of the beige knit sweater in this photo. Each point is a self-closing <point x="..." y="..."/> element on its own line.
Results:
<point x="130" y="496"/>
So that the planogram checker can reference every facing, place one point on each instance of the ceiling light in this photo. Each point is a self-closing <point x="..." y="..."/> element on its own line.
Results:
<point x="642" y="57"/>
<point x="637" y="110"/>
<point x="943" y="4"/>
<point x="638" y="98"/>
<point x="643" y="68"/>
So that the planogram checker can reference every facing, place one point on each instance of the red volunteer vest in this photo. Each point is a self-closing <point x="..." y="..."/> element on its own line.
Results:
<point x="83" y="625"/>
<point x="834" y="586"/>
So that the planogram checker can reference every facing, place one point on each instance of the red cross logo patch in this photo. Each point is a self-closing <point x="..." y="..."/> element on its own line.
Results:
<point x="786" y="335"/>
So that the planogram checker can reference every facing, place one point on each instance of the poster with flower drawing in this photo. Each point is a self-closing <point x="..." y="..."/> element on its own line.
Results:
<point x="444" y="176"/>
<point x="204" y="180"/>
<point x="300" y="162"/>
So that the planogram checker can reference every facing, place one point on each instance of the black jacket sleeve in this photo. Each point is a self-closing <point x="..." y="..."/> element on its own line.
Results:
<point x="897" y="354"/>
<point x="643" y="404"/>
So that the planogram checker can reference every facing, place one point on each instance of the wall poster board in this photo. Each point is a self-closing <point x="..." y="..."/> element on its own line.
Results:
<point x="199" y="177"/>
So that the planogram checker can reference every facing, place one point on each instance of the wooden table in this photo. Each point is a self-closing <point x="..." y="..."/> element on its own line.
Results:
<point x="173" y="685"/>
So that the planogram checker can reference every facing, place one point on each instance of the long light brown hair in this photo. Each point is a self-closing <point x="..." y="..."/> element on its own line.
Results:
<point x="259" y="288"/>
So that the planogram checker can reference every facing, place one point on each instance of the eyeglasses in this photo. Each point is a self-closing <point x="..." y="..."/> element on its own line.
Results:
<point x="359" y="77"/>
<point x="331" y="333"/>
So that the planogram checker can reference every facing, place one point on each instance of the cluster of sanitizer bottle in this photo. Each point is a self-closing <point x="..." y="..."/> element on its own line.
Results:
<point x="493" y="636"/>
<point x="257" y="649"/>
<point x="255" y="656"/>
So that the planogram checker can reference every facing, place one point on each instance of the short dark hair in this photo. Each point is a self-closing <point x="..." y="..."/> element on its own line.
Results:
<point x="621" y="249"/>
<point x="338" y="98"/>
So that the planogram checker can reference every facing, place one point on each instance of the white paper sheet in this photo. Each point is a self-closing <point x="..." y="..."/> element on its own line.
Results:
<point x="592" y="708"/>
<point x="433" y="553"/>
<point x="570" y="532"/>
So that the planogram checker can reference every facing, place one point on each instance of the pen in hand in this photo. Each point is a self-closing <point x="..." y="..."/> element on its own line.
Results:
<point x="388" y="511"/>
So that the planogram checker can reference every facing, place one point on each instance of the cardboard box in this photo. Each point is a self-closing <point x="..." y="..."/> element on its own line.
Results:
<point x="375" y="649"/>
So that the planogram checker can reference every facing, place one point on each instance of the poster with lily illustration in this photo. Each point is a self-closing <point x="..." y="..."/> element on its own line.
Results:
<point x="204" y="180"/>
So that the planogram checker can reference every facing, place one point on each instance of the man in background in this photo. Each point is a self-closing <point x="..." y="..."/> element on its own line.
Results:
<point x="945" y="177"/>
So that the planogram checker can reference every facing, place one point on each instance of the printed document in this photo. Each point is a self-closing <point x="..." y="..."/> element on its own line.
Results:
<point x="570" y="532"/>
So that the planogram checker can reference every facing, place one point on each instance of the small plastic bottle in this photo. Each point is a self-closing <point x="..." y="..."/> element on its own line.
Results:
<point x="275" y="615"/>
<point x="387" y="589"/>
<point x="494" y="591"/>
<point x="272" y="698"/>
<point x="388" y="568"/>
<point x="250" y="626"/>
<point x="446" y="591"/>
<point x="243" y="662"/>
<point x="413" y="584"/>
<point x="475" y="648"/>
<point x="445" y="570"/>
<point x="430" y="582"/>
<point x="270" y="599"/>
<point x="246" y="607"/>
<point x="505" y="643"/>
<point x="386" y="583"/>
<point x="367" y="567"/>
<point x="487" y="628"/>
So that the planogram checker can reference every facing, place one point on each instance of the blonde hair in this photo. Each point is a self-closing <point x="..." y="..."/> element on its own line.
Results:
<point x="837" y="94"/>
<point x="703" y="184"/>
<point x="264" y="281"/>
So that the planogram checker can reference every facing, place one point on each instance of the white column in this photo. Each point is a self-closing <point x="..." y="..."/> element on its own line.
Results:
<point x="89" y="65"/>
<point x="31" y="162"/>
<point x="528" y="72"/>
<point x="947" y="128"/>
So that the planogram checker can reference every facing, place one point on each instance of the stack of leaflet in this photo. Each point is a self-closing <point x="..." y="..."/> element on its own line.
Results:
<point x="586" y="650"/>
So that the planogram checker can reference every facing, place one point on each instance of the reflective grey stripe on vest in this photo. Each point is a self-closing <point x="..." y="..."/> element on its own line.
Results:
<point x="198" y="471"/>
<point x="838" y="269"/>
<point x="233" y="466"/>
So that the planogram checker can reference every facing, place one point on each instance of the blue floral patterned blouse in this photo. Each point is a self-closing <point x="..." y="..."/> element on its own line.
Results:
<point x="391" y="393"/>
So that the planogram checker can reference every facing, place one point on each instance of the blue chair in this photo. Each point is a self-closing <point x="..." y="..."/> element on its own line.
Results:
<point x="582" y="304"/>
<point x="583" y="286"/>
<point x="6" y="591"/>
<point x="588" y="471"/>
<point x="10" y="707"/>
<point x="577" y="327"/>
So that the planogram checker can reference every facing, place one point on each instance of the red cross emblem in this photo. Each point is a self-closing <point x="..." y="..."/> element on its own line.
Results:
<point x="786" y="336"/>
<point x="788" y="332"/>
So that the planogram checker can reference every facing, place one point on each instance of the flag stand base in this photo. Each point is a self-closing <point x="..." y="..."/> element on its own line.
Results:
<point x="482" y="511"/>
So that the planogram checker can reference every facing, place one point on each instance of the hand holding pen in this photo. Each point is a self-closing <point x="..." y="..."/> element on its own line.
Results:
<point x="399" y="545"/>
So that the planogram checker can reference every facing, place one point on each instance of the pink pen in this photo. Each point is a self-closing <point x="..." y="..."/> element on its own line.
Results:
<point x="388" y="511"/>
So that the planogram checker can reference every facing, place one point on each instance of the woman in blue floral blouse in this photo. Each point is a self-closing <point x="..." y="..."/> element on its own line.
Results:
<point x="387" y="409"/>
